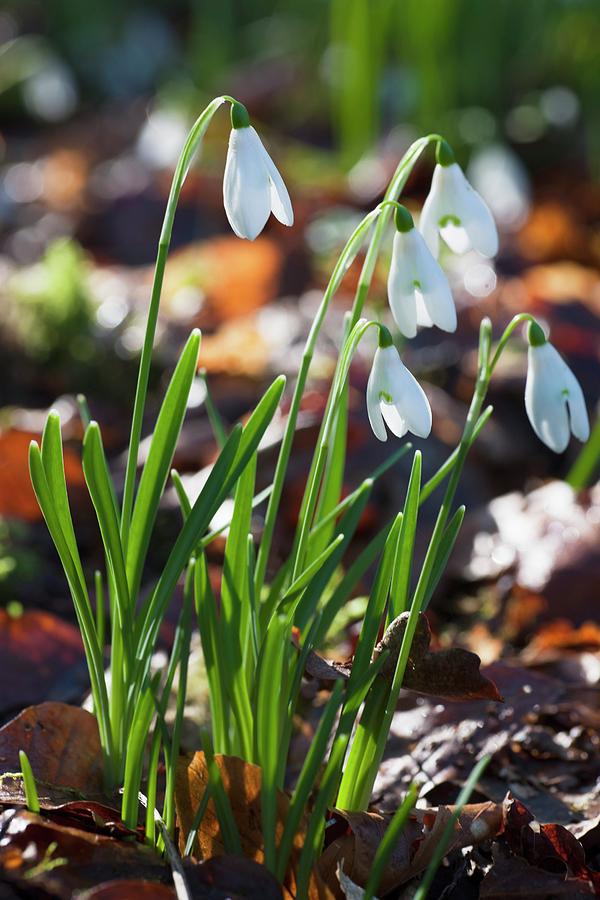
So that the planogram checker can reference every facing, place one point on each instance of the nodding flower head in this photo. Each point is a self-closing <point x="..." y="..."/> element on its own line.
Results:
<point x="418" y="290"/>
<point x="553" y="397"/>
<point x="456" y="211"/>
<point x="252" y="186"/>
<point x="395" y="398"/>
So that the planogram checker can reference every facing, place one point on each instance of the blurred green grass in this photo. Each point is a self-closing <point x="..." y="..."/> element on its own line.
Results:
<point x="341" y="72"/>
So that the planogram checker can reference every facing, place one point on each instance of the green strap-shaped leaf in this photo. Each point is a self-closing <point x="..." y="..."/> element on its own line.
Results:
<point x="159" y="461"/>
<point x="206" y="611"/>
<point x="236" y="454"/>
<point x="235" y="622"/>
<point x="333" y="479"/>
<point x="346" y="526"/>
<point x="268" y="727"/>
<point x="54" y="467"/>
<point x="80" y="597"/>
<point x="444" y="550"/>
<point x="403" y="562"/>
<point x="101" y="491"/>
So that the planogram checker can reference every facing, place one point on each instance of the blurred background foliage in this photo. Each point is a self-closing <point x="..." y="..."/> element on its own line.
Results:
<point x="339" y="72"/>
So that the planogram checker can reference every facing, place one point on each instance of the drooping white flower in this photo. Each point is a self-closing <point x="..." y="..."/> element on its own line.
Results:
<point x="553" y="397"/>
<point x="418" y="290"/>
<point x="252" y="186"/>
<point x="394" y="397"/>
<point x="457" y="212"/>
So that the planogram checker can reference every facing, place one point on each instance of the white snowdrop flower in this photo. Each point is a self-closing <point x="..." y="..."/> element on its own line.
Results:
<point x="418" y="290"/>
<point x="457" y="212"/>
<point x="553" y="397"/>
<point x="252" y="186"/>
<point x="394" y="397"/>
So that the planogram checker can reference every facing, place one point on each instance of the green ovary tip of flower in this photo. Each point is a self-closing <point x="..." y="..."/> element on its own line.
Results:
<point x="535" y="335"/>
<point x="444" y="154"/>
<point x="403" y="220"/>
<point x="385" y="337"/>
<point x="239" y="116"/>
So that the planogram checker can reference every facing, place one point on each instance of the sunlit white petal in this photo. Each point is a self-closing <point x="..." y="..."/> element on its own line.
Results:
<point x="418" y="290"/>
<point x="281" y="205"/>
<point x="457" y="212"/>
<point x="252" y="186"/>
<point x="436" y="294"/>
<point x="553" y="399"/>
<point x="394" y="419"/>
<point x="373" y="407"/>
<point x="578" y="416"/>
<point x="394" y="397"/>
<point x="401" y="286"/>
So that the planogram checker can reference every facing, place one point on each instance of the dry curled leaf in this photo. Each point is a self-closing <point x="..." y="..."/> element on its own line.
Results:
<point x="53" y="859"/>
<point x="357" y="835"/>
<point x="62" y="744"/>
<point x="549" y="846"/>
<point x="449" y="674"/>
<point x="242" y="783"/>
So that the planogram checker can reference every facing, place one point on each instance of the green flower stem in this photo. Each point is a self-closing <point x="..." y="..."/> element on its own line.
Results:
<point x="194" y="137"/>
<point x="395" y="188"/>
<point x="582" y="471"/>
<point x="380" y="705"/>
<point x="348" y="253"/>
<point x="514" y="323"/>
<point x="389" y="203"/>
<point x="313" y="485"/>
<point x="382" y="214"/>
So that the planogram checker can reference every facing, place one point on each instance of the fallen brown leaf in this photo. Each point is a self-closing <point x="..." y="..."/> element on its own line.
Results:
<point x="360" y="834"/>
<point x="62" y="744"/>
<point x="48" y="858"/>
<point x="449" y="674"/>
<point x="242" y="782"/>
<point x="548" y="846"/>
<point x="511" y="877"/>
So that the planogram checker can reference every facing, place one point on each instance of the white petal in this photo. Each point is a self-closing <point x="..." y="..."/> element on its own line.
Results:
<point x="452" y="197"/>
<point x="437" y="300"/>
<point x="281" y="205"/>
<point x="408" y="396"/>
<point x="246" y="184"/>
<point x="544" y="400"/>
<point x="393" y="419"/>
<point x="424" y="320"/>
<point x="479" y="223"/>
<point x="401" y="290"/>
<point x="456" y="238"/>
<point x="580" y="423"/>
<point x="428" y="222"/>
<point x="415" y="405"/>
<point x="373" y="407"/>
